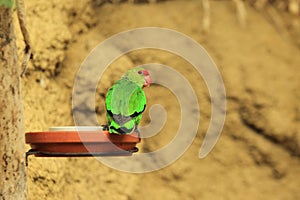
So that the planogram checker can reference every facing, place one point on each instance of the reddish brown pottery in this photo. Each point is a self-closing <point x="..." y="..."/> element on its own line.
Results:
<point x="80" y="141"/>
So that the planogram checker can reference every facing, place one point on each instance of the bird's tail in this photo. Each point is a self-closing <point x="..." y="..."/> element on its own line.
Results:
<point x="126" y="128"/>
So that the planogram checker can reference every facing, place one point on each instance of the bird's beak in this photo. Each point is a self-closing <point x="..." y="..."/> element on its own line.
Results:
<point x="147" y="79"/>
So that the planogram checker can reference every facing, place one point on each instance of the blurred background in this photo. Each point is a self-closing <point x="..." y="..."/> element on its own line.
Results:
<point x="255" y="45"/>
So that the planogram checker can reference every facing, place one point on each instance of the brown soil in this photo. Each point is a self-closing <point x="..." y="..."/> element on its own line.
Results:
<point x="257" y="156"/>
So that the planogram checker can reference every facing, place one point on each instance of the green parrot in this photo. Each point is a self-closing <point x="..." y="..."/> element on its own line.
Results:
<point x="126" y="101"/>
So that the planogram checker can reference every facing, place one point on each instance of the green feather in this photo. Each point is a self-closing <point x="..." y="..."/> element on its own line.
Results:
<point x="7" y="3"/>
<point x="125" y="102"/>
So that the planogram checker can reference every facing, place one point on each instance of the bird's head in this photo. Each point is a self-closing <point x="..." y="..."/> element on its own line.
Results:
<point x="140" y="76"/>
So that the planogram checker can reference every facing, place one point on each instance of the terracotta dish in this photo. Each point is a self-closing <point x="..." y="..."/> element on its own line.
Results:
<point x="68" y="141"/>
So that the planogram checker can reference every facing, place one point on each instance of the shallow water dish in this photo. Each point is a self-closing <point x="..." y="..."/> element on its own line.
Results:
<point x="80" y="141"/>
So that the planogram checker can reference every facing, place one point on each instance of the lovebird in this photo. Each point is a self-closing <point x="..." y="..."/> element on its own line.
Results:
<point x="126" y="101"/>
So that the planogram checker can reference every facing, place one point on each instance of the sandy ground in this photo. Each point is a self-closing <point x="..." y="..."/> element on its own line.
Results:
<point x="257" y="156"/>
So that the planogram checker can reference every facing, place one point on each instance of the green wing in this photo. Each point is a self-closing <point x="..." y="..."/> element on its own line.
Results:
<point x="125" y="103"/>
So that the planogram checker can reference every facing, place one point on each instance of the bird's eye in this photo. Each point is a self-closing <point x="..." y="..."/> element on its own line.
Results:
<point x="140" y="72"/>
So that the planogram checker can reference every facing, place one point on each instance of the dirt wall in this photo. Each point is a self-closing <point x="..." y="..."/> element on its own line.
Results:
<point x="257" y="156"/>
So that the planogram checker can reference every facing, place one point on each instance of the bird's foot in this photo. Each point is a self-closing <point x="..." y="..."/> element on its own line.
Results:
<point x="105" y="127"/>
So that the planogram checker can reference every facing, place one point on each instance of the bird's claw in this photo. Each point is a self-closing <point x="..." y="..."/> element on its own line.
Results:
<point x="105" y="127"/>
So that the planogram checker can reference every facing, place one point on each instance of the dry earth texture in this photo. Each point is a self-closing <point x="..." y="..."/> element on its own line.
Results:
<point x="257" y="156"/>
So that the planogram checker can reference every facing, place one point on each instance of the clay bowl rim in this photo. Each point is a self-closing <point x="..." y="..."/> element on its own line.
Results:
<point x="79" y="137"/>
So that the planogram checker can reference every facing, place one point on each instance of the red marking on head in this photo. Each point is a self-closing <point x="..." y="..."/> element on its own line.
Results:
<point x="145" y="72"/>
